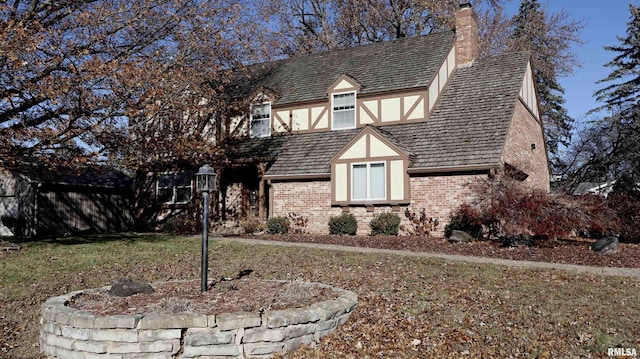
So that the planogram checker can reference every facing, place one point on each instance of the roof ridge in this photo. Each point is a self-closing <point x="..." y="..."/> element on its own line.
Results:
<point x="361" y="46"/>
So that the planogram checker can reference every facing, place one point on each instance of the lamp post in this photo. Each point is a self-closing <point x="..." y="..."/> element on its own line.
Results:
<point x="205" y="183"/>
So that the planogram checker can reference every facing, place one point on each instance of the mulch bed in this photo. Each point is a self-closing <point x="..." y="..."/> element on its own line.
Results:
<point x="222" y="297"/>
<point x="571" y="251"/>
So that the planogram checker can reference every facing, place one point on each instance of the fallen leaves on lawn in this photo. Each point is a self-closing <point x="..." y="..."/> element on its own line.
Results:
<point x="408" y="307"/>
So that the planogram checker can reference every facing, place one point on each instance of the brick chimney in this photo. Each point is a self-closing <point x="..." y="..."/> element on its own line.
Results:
<point x="466" y="33"/>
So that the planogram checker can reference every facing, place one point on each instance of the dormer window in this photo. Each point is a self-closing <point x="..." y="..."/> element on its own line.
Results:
<point x="260" y="124"/>
<point x="343" y="110"/>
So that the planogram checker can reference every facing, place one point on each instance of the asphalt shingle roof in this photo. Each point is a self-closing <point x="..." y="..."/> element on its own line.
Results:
<point x="470" y="123"/>
<point x="385" y="66"/>
<point x="468" y="127"/>
<point x="302" y="154"/>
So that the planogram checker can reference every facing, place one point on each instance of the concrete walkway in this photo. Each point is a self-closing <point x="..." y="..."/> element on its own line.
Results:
<point x="625" y="272"/>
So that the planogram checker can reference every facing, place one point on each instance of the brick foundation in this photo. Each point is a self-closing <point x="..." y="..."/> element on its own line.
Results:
<point x="439" y="195"/>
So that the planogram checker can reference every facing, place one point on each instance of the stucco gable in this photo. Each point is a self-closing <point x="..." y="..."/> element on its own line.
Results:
<point x="344" y="83"/>
<point x="528" y="92"/>
<point x="371" y="143"/>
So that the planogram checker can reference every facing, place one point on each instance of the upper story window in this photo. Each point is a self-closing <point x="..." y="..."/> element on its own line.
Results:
<point x="260" y="125"/>
<point x="343" y="110"/>
<point x="174" y="187"/>
<point x="368" y="181"/>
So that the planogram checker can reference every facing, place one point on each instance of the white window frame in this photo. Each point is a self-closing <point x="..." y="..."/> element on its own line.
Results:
<point x="251" y="120"/>
<point x="334" y="111"/>
<point x="174" y="187"/>
<point x="368" y="178"/>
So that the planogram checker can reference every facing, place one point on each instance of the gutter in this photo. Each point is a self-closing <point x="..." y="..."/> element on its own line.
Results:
<point x="427" y="170"/>
<point x="461" y="168"/>
<point x="297" y="177"/>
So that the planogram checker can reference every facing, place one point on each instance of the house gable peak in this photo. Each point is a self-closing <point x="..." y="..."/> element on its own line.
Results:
<point x="344" y="83"/>
<point x="369" y="143"/>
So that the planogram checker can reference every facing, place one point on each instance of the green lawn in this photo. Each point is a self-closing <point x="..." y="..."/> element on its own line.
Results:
<point x="408" y="307"/>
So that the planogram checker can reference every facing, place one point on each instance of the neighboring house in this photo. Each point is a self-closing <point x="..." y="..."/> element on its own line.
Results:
<point x="40" y="202"/>
<point x="599" y="188"/>
<point x="603" y="189"/>
<point x="390" y="126"/>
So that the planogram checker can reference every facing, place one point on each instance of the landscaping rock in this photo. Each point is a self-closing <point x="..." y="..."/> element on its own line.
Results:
<point x="128" y="287"/>
<point x="460" y="237"/>
<point x="605" y="245"/>
<point x="517" y="240"/>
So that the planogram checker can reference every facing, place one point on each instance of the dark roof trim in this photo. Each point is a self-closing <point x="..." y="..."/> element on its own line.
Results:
<point x="294" y="177"/>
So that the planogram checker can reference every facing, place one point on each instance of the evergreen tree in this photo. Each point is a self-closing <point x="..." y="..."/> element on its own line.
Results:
<point x="549" y="39"/>
<point x="621" y="98"/>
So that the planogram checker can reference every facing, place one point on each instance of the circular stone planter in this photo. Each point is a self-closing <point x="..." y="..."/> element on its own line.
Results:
<point x="66" y="332"/>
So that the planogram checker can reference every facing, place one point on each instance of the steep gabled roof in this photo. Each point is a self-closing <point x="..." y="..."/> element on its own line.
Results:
<point x="385" y="66"/>
<point x="471" y="120"/>
<point x="468" y="126"/>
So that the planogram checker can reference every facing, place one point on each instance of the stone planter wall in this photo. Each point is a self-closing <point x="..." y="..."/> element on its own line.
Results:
<point x="70" y="333"/>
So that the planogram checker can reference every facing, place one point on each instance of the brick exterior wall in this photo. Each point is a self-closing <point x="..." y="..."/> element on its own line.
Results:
<point x="438" y="195"/>
<point x="524" y="131"/>
<point x="310" y="199"/>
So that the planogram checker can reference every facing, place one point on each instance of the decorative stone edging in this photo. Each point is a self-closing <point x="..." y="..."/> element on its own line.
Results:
<point x="70" y="333"/>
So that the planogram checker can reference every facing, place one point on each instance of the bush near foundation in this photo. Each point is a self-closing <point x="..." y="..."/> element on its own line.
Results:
<point x="278" y="225"/>
<point x="385" y="223"/>
<point x="252" y="225"/>
<point x="465" y="218"/>
<point x="507" y="207"/>
<point x="298" y="223"/>
<point x="182" y="224"/>
<point x="627" y="209"/>
<point x="419" y="223"/>
<point x="345" y="223"/>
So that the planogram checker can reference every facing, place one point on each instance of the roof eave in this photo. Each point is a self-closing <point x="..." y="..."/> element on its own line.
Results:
<point x="292" y="177"/>
<point x="456" y="168"/>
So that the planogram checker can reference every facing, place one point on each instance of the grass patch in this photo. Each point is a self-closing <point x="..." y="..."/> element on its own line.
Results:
<point x="408" y="307"/>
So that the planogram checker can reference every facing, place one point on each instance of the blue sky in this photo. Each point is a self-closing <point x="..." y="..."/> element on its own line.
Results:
<point x="604" y="20"/>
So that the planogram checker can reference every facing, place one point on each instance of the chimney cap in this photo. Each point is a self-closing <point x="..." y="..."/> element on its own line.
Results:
<point x="463" y="4"/>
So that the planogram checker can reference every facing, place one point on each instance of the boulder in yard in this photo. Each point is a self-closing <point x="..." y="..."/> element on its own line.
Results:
<point x="605" y="245"/>
<point x="460" y="237"/>
<point x="127" y="287"/>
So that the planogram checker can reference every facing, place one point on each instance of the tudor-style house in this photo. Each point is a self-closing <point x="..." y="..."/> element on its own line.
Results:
<point x="389" y="126"/>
